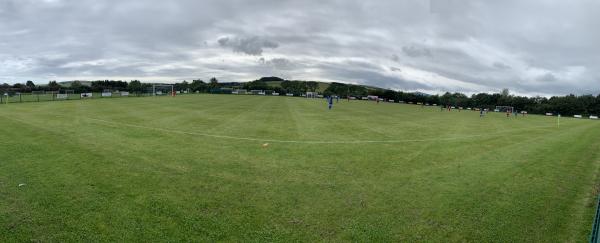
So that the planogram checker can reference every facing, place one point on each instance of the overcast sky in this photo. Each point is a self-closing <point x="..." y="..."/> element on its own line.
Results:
<point x="530" y="47"/>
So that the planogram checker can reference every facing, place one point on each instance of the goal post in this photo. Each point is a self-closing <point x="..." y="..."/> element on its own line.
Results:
<point x="163" y="89"/>
<point x="64" y="94"/>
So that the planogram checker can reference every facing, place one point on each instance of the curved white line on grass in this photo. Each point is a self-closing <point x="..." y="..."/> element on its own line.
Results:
<point x="306" y="141"/>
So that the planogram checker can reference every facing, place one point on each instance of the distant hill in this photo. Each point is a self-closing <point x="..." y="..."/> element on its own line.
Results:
<point x="322" y="85"/>
<point x="68" y="83"/>
<point x="421" y="93"/>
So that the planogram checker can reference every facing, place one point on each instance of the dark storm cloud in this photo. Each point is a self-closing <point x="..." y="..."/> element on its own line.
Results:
<point x="531" y="47"/>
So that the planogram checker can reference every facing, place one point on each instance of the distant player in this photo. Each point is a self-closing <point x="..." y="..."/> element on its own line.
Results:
<point x="337" y="98"/>
<point x="330" y="101"/>
<point x="507" y="114"/>
<point x="481" y="114"/>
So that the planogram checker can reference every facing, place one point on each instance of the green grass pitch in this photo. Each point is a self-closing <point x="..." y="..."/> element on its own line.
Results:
<point x="196" y="168"/>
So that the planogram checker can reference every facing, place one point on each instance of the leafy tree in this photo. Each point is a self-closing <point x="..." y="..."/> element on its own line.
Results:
<point x="278" y="90"/>
<point x="198" y="85"/>
<point x="30" y="84"/>
<point x="390" y="95"/>
<point x="337" y="89"/>
<point x="182" y="86"/>
<point x="256" y="85"/>
<point x="102" y="85"/>
<point x="213" y="85"/>
<point x="4" y="88"/>
<point x="357" y="91"/>
<point x="312" y="86"/>
<point x="433" y="99"/>
<point x="19" y="87"/>
<point x="78" y="87"/>
<point x="53" y="86"/>
<point x="446" y="99"/>
<point x="135" y="86"/>
<point x="294" y="87"/>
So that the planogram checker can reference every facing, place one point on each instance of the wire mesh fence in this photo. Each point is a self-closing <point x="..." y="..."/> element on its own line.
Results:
<point x="7" y="98"/>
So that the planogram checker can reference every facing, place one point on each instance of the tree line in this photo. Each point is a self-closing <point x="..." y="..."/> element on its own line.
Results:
<point x="281" y="86"/>
<point x="104" y="85"/>
<point x="565" y="105"/>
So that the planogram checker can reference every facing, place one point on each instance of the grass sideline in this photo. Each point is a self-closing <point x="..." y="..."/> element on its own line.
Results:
<point x="86" y="179"/>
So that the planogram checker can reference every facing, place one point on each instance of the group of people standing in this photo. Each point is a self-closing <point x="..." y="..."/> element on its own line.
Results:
<point x="482" y="112"/>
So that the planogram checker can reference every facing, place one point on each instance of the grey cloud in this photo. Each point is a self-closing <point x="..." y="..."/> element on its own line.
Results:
<point x="548" y="77"/>
<point x="281" y="63"/>
<point x="449" y="7"/>
<point x="167" y="40"/>
<point x="395" y="69"/>
<point x="500" y="65"/>
<point x="416" y="51"/>
<point x="223" y="41"/>
<point x="370" y="74"/>
<point x="251" y="45"/>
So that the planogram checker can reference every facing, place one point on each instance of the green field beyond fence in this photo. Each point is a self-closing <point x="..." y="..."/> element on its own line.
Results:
<point x="206" y="168"/>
